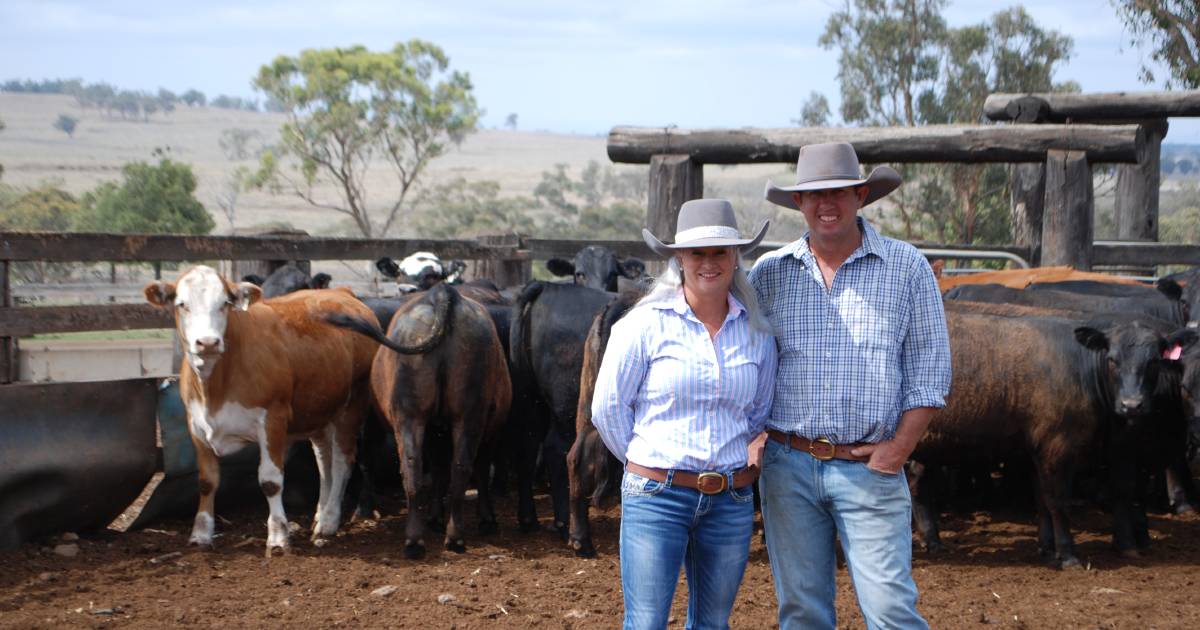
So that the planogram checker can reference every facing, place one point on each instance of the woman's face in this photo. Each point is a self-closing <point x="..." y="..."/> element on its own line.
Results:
<point x="708" y="270"/>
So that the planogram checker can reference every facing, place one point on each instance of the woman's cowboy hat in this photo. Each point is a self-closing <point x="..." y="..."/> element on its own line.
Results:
<point x="705" y="223"/>
<point x="832" y="165"/>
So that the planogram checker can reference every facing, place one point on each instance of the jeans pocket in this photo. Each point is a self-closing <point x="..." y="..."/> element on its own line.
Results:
<point x="771" y="452"/>
<point x="635" y="485"/>
<point x="743" y="495"/>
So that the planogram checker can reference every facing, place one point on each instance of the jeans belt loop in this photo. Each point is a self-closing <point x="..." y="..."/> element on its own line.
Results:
<point x="670" y="477"/>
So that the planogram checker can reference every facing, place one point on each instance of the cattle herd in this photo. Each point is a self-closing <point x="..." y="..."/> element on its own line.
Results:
<point x="1067" y="387"/>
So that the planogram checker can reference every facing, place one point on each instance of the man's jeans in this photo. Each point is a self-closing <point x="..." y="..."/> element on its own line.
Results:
<point x="805" y="503"/>
<point x="665" y="526"/>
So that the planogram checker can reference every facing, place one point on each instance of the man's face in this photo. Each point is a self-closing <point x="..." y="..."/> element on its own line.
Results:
<point x="831" y="213"/>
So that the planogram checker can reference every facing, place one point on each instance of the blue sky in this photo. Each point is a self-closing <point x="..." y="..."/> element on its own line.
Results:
<point x="559" y="65"/>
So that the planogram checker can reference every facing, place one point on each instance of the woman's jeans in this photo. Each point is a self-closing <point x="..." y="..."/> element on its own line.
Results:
<point x="665" y="526"/>
<point x="806" y="503"/>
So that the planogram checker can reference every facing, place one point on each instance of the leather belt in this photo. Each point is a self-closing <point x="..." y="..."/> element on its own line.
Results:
<point x="705" y="482"/>
<point x="819" y="448"/>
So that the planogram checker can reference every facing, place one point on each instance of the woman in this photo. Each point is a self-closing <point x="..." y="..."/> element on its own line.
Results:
<point x="684" y="389"/>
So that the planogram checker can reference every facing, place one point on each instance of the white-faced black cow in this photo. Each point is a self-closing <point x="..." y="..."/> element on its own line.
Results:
<point x="268" y="372"/>
<point x="420" y="271"/>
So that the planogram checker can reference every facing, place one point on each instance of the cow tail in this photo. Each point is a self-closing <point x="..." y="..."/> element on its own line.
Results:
<point x="444" y="298"/>
<point x="518" y="333"/>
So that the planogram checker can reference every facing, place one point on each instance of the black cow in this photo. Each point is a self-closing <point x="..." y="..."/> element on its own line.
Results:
<point x="549" y="324"/>
<point x="593" y="471"/>
<point x="1164" y="287"/>
<point x="1150" y="302"/>
<point x="597" y="267"/>
<point x="290" y="278"/>
<point x="1046" y="385"/>
<point x="443" y="383"/>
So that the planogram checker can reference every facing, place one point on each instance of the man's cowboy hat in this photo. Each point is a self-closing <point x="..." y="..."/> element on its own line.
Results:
<point x="832" y="165"/>
<point x="705" y="223"/>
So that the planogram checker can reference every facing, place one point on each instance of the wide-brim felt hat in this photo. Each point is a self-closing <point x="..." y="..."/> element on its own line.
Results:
<point x="833" y="165"/>
<point x="705" y="223"/>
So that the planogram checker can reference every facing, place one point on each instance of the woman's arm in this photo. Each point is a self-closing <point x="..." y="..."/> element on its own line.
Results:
<point x="617" y="383"/>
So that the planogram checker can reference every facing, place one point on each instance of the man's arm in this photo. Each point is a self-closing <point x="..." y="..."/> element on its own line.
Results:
<point x="889" y="456"/>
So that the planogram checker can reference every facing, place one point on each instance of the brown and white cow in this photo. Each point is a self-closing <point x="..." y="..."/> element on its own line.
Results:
<point x="268" y="372"/>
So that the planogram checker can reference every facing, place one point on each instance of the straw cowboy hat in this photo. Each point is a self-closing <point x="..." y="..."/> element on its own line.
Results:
<point x="833" y="165"/>
<point x="705" y="223"/>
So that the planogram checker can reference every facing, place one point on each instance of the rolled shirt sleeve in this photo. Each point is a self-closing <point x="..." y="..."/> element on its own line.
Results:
<point x="620" y="376"/>
<point x="925" y="359"/>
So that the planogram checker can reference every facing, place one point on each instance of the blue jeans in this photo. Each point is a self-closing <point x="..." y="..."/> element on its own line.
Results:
<point x="805" y="503"/>
<point x="665" y="526"/>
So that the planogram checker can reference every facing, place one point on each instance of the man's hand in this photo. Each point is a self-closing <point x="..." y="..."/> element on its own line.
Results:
<point x="885" y="457"/>
<point x="755" y="450"/>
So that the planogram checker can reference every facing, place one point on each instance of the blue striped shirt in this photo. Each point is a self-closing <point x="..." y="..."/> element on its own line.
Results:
<point x="668" y="396"/>
<point x="854" y="358"/>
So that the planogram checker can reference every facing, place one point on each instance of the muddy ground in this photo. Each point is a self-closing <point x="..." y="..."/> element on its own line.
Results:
<point x="150" y="579"/>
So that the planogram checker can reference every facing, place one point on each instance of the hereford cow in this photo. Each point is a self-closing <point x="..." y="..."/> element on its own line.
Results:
<point x="549" y="324"/>
<point x="1050" y="386"/>
<point x="442" y="380"/>
<point x="597" y="267"/>
<point x="268" y="372"/>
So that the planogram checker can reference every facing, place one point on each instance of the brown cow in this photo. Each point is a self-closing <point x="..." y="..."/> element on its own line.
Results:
<point x="447" y="377"/>
<point x="1021" y="278"/>
<point x="268" y="372"/>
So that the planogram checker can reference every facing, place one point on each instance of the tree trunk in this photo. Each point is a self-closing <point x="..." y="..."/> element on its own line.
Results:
<point x="1028" y="200"/>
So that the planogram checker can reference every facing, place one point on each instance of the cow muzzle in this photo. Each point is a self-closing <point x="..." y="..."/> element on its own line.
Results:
<point x="1132" y="407"/>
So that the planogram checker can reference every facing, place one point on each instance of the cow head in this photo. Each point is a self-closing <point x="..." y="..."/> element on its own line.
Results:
<point x="202" y="300"/>
<point x="422" y="270"/>
<point x="597" y="267"/>
<point x="1134" y="356"/>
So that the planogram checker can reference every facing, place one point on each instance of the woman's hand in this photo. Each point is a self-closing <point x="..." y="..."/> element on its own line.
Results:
<point x="755" y="450"/>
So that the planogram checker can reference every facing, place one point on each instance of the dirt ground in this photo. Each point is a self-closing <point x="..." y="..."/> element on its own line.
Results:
<point x="151" y="579"/>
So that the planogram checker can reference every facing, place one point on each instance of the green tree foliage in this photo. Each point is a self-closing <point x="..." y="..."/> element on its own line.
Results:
<point x="66" y="124"/>
<point x="152" y="199"/>
<point x="601" y="204"/>
<point x="234" y="102"/>
<point x="1171" y="29"/>
<point x="900" y="64"/>
<point x="510" y="121"/>
<point x="815" y="111"/>
<point x="345" y="106"/>
<point x="46" y="208"/>
<point x="463" y="209"/>
<point x="194" y="98"/>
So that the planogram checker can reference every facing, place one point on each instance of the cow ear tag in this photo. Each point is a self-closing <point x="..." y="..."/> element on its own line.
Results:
<point x="1173" y="353"/>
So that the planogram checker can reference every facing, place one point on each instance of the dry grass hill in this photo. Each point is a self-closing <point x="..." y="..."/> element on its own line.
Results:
<point x="32" y="151"/>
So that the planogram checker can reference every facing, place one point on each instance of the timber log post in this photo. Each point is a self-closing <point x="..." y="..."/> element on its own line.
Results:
<point x="674" y="179"/>
<point x="1137" y="189"/>
<point x="1028" y="199"/>
<point x="1067" y="223"/>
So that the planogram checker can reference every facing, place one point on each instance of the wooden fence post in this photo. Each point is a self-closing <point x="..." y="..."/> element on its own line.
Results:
<point x="1067" y="225"/>
<point x="8" y="345"/>
<point x="1137" y="189"/>
<point x="1027" y="207"/>
<point x="674" y="179"/>
<point x="504" y="272"/>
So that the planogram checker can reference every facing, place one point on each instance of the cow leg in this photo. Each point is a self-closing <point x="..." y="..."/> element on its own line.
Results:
<point x="485" y="505"/>
<point x="340" y="445"/>
<point x="555" y="453"/>
<point x="922" y="484"/>
<point x="410" y="441"/>
<point x="323" y="453"/>
<point x="1054" y="480"/>
<point x="1122" y="473"/>
<point x="1181" y="490"/>
<point x="209" y="477"/>
<point x="587" y="470"/>
<point x="466" y="444"/>
<point x="526" y="441"/>
<point x="272" y="444"/>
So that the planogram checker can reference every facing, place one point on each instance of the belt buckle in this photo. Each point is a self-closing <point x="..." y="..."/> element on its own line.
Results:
<point x="812" y="445"/>
<point x="703" y="478"/>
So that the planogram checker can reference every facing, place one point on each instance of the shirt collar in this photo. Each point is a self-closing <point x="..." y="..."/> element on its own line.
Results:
<point x="679" y="305"/>
<point x="872" y="244"/>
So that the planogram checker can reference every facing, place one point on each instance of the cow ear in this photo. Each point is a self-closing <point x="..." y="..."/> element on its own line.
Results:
<point x="1184" y="338"/>
<point x="159" y="293"/>
<point x="560" y="267"/>
<point x="1091" y="338"/>
<point x="1169" y="288"/>
<point x="320" y="281"/>
<point x="388" y="267"/>
<point x="253" y="278"/>
<point x="246" y="294"/>
<point x="632" y="268"/>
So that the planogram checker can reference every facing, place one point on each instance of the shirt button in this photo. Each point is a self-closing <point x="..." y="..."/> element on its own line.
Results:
<point x="828" y="355"/>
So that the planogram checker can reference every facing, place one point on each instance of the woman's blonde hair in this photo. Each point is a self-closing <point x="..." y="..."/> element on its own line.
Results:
<point x="670" y="281"/>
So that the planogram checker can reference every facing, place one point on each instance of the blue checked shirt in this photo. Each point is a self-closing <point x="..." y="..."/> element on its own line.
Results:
<point x="854" y="358"/>
<point x="668" y="396"/>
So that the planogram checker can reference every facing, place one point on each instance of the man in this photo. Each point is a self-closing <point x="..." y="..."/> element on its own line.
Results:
<point x="864" y="361"/>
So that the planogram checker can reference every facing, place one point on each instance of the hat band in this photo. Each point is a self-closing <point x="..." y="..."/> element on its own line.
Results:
<point x="706" y="231"/>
